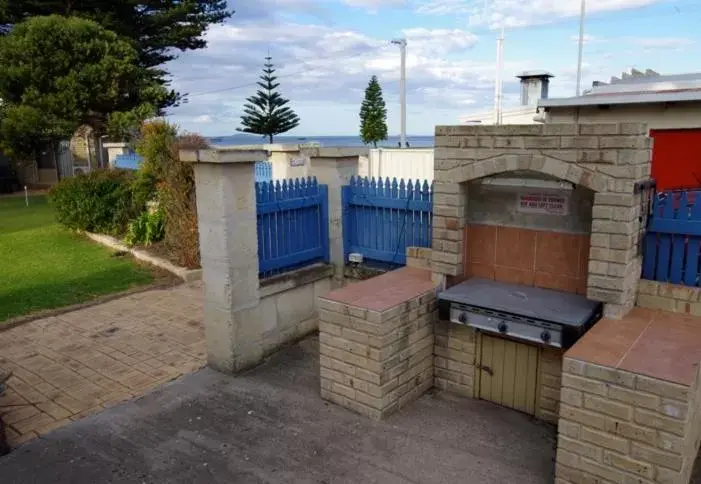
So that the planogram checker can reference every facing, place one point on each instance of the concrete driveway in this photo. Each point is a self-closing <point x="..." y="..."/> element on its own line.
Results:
<point x="270" y="426"/>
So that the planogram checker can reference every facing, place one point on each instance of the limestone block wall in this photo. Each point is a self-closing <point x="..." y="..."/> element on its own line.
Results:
<point x="549" y="384"/>
<point x="669" y="297"/>
<point x="617" y="426"/>
<point x="376" y="362"/>
<point x="287" y="308"/>
<point x="454" y="362"/>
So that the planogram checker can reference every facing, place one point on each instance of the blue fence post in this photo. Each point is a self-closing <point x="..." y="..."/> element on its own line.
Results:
<point x="324" y="223"/>
<point x="346" y="220"/>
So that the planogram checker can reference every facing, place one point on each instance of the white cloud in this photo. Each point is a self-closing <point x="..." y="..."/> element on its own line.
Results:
<point x="318" y="64"/>
<point x="374" y="5"/>
<point x="666" y="43"/>
<point x="203" y="119"/>
<point x="519" y="13"/>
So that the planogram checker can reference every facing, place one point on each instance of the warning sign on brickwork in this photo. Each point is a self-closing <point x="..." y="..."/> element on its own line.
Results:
<point x="543" y="203"/>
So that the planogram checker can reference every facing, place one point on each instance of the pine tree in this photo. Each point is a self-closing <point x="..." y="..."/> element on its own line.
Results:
<point x="373" y="114"/>
<point x="267" y="112"/>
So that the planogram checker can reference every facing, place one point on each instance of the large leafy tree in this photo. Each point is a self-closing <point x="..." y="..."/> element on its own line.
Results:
<point x="157" y="29"/>
<point x="373" y="114"/>
<point x="61" y="72"/>
<point x="267" y="113"/>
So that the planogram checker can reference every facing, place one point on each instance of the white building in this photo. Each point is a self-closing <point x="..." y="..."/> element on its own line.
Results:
<point x="534" y="86"/>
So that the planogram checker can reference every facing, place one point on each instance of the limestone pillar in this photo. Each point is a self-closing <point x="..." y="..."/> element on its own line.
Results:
<point x="335" y="167"/>
<point x="226" y="211"/>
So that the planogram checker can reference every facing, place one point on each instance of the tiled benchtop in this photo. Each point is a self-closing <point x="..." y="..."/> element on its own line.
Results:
<point x="386" y="291"/>
<point x="654" y="343"/>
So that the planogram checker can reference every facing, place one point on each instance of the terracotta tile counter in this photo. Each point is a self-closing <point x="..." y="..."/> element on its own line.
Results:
<point x="631" y="401"/>
<point x="376" y="341"/>
<point x="657" y="344"/>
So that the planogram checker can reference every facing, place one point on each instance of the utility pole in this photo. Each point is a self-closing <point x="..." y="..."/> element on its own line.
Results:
<point x="582" y="13"/>
<point x="498" y="87"/>
<point x="402" y="89"/>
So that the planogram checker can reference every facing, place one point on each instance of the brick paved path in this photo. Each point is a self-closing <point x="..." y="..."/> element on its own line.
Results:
<point x="75" y="364"/>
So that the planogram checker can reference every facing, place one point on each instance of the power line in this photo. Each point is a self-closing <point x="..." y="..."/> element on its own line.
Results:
<point x="333" y="55"/>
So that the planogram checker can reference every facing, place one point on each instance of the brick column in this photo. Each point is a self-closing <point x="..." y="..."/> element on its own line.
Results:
<point x="226" y="211"/>
<point x="449" y="216"/>
<point x="618" y="426"/>
<point x="335" y="167"/>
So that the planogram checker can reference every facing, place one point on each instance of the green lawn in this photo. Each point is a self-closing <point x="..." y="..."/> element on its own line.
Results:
<point x="44" y="266"/>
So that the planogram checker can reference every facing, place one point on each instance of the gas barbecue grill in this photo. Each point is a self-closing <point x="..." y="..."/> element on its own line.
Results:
<point x="542" y="316"/>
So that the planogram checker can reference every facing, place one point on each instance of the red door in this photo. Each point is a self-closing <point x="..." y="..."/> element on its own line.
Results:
<point x="676" y="158"/>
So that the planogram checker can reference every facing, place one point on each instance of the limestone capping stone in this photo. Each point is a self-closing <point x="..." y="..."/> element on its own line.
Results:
<point x="624" y="427"/>
<point x="335" y="152"/>
<point x="669" y="297"/>
<point x="289" y="280"/>
<point x="376" y="362"/>
<point x="605" y="158"/>
<point x="223" y="156"/>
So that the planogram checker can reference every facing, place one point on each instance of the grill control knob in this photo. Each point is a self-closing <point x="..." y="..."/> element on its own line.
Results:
<point x="462" y="318"/>
<point x="502" y="327"/>
<point x="545" y="336"/>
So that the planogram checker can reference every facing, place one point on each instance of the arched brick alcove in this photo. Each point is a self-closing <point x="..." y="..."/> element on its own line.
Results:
<point x="608" y="159"/>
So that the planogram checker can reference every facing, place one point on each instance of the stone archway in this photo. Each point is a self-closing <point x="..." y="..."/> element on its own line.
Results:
<point x="608" y="159"/>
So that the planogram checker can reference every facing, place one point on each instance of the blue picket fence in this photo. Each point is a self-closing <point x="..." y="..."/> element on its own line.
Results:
<point x="672" y="251"/>
<point x="264" y="171"/>
<point x="293" y="221"/>
<point x="381" y="218"/>
<point x="128" y="162"/>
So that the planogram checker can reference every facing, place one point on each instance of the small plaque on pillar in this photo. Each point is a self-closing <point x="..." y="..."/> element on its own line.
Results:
<point x="301" y="161"/>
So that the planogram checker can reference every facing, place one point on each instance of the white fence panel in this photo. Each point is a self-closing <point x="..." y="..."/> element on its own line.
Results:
<point x="415" y="164"/>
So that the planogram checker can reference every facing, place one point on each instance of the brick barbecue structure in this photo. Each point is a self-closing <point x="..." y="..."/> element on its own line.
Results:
<point x="627" y="396"/>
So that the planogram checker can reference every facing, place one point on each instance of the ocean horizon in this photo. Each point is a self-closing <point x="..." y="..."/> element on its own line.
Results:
<point x="415" y="141"/>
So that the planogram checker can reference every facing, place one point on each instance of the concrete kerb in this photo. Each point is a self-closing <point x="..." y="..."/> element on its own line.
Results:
<point x="187" y="275"/>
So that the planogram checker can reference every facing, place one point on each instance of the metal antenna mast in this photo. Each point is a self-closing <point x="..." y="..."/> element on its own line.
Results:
<point x="402" y="89"/>
<point x="582" y="13"/>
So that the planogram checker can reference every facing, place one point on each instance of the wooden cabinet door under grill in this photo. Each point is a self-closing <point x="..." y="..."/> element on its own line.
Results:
<point x="508" y="373"/>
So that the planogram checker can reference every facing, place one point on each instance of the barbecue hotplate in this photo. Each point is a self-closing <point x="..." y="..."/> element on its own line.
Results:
<point x="544" y="316"/>
<point x="533" y="302"/>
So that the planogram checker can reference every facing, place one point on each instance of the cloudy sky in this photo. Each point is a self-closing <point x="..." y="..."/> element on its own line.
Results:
<point x="326" y="50"/>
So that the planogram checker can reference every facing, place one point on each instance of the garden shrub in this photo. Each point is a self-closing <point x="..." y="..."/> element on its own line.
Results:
<point x="100" y="201"/>
<point x="173" y="185"/>
<point x="147" y="228"/>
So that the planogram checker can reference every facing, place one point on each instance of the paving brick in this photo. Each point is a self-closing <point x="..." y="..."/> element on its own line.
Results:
<point x="627" y="464"/>
<point x="604" y="439"/>
<point x="603" y="471"/>
<point x="663" y="388"/>
<point x="656" y="456"/>
<point x="578" y="447"/>
<point x="608" y="407"/>
<point x="584" y="417"/>
<point x="584" y="384"/>
<point x="610" y="375"/>
<point x="630" y="431"/>
<point x="657" y="421"/>
<point x="637" y="398"/>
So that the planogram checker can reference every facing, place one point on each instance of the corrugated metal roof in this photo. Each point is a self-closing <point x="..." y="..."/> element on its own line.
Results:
<point x="635" y="88"/>
<point x="636" y="97"/>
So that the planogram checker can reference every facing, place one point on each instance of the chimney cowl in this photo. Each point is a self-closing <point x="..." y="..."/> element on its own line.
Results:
<point x="534" y="86"/>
